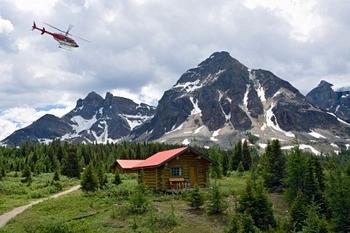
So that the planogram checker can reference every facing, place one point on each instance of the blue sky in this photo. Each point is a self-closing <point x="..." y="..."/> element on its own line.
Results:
<point x="139" y="48"/>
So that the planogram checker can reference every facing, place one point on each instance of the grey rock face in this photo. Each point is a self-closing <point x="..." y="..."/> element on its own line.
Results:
<point x="221" y="94"/>
<point x="330" y="100"/>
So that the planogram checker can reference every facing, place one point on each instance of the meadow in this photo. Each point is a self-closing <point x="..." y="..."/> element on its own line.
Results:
<point x="107" y="210"/>
<point x="14" y="193"/>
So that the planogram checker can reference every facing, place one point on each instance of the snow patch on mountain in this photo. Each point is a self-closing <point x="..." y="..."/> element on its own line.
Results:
<point x="81" y="124"/>
<point x="103" y="137"/>
<point x="196" y="109"/>
<point x="340" y="120"/>
<point x="316" y="135"/>
<point x="303" y="147"/>
<point x="186" y="142"/>
<point x="274" y="124"/>
<point x="198" y="129"/>
<point x="214" y="135"/>
<point x="245" y="98"/>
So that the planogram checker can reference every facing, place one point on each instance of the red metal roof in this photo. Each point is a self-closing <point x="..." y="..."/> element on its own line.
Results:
<point x="152" y="161"/>
<point x="128" y="164"/>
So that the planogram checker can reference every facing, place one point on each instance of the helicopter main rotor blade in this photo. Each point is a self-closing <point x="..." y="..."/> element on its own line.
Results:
<point x="55" y="28"/>
<point x="80" y="38"/>
<point x="69" y="28"/>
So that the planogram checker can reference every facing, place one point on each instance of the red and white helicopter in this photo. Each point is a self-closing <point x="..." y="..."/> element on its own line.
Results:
<point x="63" y="39"/>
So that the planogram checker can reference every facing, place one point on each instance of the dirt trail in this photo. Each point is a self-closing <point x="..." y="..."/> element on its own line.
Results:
<point x="4" y="218"/>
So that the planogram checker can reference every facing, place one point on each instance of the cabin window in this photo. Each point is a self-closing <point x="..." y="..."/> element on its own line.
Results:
<point x="176" y="171"/>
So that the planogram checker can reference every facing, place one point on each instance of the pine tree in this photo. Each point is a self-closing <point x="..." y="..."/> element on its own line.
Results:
<point x="89" y="181"/>
<point x="216" y="171"/>
<point x="2" y="171"/>
<point x="296" y="167"/>
<point x="273" y="166"/>
<point x="217" y="203"/>
<point x="255" y="203"/>
<point x="196" y="199"/>
<point x="117" y="179"/>
<point x="71" y="164"/>
<point x="237" y="155"/>
<point x="298" y="213"/>
<point x="310" y="187"/>
<point x="247" y="223"/>
<point x="246" y="158"/>
<point x="102" y="177"/>
<point x="235" y="225"/>
<point x="56" y="176"/>
<point x="225" y="164"/>
<point x="339" y="201"/>
<point x="314" y="223"/>
<point x="240" y="169"/>
<point x="27" y="175"/>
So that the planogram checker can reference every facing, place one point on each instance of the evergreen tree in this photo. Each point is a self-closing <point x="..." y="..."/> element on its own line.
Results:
<point x="247" y="223"/>
<point x="217" y="203"/>
<point x="240" y="169"/>
<point x="313" y="222"/>
<point x="310" y="187"/>
<point x="89" y="181"/>
<point x="273" y="166"/>
<point x="216" y="170"/>
<point x="117" y="179"/>
<point x="56" y="176"/>
<point x="255" y="202"/>
<point x="225" y="164"/>
<point x="298" y="213"/>
<point x="246" y="158"/>
<point x="296" y="167"/>
<point x="235" y="225"/>
<point x="237" y="155"/>
<point x="2" y="171"/>
<point x="102" y="177"/>
<point x="196" y="199"/>
<point x="339" y="201"/>
<point x="71" y="164"/>
<point x="27" y="175"/>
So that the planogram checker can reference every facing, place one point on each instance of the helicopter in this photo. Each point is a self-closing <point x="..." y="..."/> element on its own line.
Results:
<point x="64" y="39"/>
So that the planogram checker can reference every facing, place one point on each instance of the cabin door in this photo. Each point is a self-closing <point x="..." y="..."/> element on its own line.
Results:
<point x="193" y="176"/>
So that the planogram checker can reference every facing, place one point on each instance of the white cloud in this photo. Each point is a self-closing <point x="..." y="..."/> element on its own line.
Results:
<point x="35" y="7"/>
<point x="301" y="15"/>
<point x="5" y="26"/>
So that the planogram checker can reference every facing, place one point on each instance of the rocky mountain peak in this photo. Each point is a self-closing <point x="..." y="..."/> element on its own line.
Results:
<point x="325" y="84"/>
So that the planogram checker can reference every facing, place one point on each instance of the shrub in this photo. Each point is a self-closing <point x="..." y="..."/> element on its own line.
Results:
<point x="89" y="182"/>
<point x="117" y="180"/>
<point x="139" y="202"/>
<point x="217" y="203"/>
<point x="27" y="176"/>
<point x="196" y="199"/>
<point x="56" y="176"/>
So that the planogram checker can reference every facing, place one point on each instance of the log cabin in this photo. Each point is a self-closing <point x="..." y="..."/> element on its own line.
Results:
<point x="170" y="170"/>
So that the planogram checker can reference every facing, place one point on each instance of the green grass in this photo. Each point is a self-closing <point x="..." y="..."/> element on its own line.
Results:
<point x="107" y="211"/>
<point x="14" y="193"/>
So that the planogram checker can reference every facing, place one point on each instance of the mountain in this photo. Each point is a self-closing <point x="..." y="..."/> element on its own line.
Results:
<point x="94" y="119"/>
<point x="334" y="101"/>
<point x="221" y="101"/>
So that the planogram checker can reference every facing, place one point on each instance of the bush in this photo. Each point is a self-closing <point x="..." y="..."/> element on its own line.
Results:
<point x="139" y="202"/>
<point x="196" y="199"/>
<point x="27" y="176"/>
<point x="117" y="180"/>
<point x="217" y="203"/>
<point x="56" y="176"/>
<point x="89" y="182"/>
